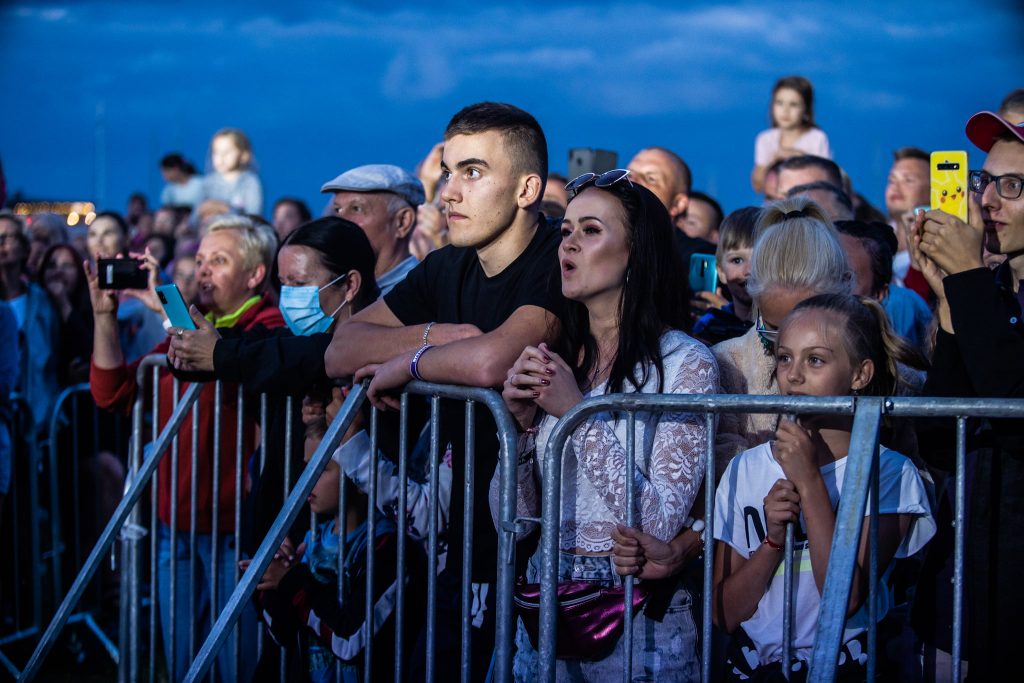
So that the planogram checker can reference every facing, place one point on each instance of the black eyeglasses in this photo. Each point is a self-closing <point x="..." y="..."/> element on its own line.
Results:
<point x="580" y="183"/>
<point x="1007" y="186"/>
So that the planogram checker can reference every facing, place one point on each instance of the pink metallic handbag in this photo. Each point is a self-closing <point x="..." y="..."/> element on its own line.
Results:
<point x="589" y="618"/>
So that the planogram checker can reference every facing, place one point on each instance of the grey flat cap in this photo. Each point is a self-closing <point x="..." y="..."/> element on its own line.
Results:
<point x="379" y="178"/>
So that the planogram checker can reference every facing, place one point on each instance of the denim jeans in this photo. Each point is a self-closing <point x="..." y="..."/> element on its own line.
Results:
<point x="662" y="651"/>
<point x="198" y="597"/>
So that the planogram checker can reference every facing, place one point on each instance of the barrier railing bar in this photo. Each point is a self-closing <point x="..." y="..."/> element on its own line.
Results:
<point x="873" y="567"/>
<point x="132" y="554"/>
<point x="215" y="559"/>
<point x="342" y="535"/>
<point x="193" y="533"/>
<point x="709" y="545"/>
<point x="154" y="504"/>
<point x="107" y="538"/>
<point x="435" y="440"/>
<point x="959" y="540"/>
<point x="465" y="667"/>
<point x="788" y="575"/>
<point x="172" y="660"/>
<point x="239" y="471"/>
<point x="627" y="675"/>
<point x="845" y="540"/>
<point x="272" y="542"/>
<point x="289" y="408"/>
<point x="56" y="533"/>
<point x="371" y="546"/>
<point x="403" y="529"/>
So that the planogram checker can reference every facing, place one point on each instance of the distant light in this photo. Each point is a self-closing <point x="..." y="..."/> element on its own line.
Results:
<point x="89" y="217"/>
<point x="73" y="218"/>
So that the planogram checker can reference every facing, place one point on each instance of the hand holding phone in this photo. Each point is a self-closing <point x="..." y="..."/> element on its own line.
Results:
<point x="175" y="307"/>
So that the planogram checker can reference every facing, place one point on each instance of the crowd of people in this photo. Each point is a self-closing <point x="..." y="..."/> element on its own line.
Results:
<point x="483" y="269"/>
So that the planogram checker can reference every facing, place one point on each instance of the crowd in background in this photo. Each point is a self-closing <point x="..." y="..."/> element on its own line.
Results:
<point x="483" y="268"/>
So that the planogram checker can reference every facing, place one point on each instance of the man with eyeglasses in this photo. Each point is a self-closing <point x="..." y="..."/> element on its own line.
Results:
<point x="979" y="351"/>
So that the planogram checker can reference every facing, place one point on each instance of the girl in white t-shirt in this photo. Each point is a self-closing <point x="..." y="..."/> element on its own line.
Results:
<point x="793" y="130"/>
<point x="830" y="345"/>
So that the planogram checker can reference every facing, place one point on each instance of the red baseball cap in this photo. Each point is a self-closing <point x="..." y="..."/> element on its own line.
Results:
<point x="984" y="127"/>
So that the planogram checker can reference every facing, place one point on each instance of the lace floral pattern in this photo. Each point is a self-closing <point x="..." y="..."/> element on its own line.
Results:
<point x="669" y="459"/>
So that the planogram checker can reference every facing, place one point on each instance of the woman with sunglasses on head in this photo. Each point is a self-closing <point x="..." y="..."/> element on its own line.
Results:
<point x="622" y="333"/>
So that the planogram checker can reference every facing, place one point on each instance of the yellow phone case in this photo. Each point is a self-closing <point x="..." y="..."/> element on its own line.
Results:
<point x="949" y="182"/>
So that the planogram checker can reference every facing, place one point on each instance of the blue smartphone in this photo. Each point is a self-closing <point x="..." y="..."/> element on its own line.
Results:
<point x="703" y="273"/>
<point x="175" y="307"/>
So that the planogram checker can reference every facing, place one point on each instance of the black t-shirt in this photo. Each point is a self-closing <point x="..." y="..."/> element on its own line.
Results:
<point x="450" y="286"/>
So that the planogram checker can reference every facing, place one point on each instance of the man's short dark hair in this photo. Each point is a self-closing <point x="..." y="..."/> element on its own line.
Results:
<point x="911" y="153"/>
<point x="880" y="242"/>
<point x="524" y="139"/>
<point x="681" y="167"/>
<point x="836" y="192"/>
<point x="804" y="161"/>
<point x="710" y="201"/>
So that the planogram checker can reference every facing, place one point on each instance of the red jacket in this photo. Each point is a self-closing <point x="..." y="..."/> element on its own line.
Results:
<point x="115" y="389"/>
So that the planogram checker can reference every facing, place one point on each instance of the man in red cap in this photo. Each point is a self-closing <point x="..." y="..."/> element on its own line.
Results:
<point x="979" y="351"/>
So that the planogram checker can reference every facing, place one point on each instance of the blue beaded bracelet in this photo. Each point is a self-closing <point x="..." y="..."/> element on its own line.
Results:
<point x="414" y="365"/>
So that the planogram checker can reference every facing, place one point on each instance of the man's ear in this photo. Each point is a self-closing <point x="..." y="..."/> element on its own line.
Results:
<point x="404" y="220"/>
<point x="863" y="375"/>
<point x="679" y="204"/>
<point x="530" y="191"/>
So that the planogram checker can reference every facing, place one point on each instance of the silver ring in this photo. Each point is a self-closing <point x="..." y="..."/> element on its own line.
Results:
<point x="181" y="332"/>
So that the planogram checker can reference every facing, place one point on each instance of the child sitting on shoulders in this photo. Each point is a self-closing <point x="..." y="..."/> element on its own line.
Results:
<point x="793" y="130"/>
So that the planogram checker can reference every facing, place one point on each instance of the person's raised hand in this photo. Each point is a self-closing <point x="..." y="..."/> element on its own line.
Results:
<point x="192" y="350"/>
<point x="104" y="301"/>
<point x="796" y="453"/>
<point x="522" y="384"/>
<point x="954" y="246"/>
<point x="781" y="506"/>
<point x="560" y="391"/>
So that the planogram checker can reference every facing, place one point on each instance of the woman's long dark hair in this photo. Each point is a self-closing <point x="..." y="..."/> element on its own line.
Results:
<point x="653" y="296"/>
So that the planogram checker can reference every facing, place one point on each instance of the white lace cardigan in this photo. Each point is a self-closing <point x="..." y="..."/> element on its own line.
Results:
<point x="670" y="451"/>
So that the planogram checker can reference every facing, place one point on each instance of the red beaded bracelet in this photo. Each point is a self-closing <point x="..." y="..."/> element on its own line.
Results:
<point x="771" y="544"/>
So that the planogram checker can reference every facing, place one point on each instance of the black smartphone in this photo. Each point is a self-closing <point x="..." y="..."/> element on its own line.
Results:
<point x="121" y="273"/>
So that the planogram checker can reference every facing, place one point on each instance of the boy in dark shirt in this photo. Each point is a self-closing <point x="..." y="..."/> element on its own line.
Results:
<point x="464" y="315"/>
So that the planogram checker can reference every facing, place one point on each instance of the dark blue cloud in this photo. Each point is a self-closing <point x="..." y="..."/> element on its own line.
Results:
<point x="321" y="87"/>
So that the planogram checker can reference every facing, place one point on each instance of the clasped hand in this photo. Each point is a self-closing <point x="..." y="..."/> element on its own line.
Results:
<point x="539" y="378"/>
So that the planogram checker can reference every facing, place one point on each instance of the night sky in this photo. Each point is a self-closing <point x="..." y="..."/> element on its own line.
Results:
<point x="321" y="87"/>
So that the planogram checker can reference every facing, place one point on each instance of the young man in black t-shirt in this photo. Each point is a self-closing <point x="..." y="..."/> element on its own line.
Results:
<point x="477" y="303"/>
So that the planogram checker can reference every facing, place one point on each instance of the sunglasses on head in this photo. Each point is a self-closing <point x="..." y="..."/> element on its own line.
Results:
<point x="580" y="183"/>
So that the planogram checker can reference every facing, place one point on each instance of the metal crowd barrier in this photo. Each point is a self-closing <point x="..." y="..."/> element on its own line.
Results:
<point x="505" y="628"/>
<point x="860" y="478"/>
<point x="861" y="473"/>
<point x="50" y="464"/>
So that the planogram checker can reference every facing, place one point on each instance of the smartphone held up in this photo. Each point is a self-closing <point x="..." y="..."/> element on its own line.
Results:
<point x="121" y="273"/>
<point x="949" y="183"/>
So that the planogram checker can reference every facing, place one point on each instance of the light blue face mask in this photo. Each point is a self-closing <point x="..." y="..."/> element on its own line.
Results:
<point x="300" y="308"/>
